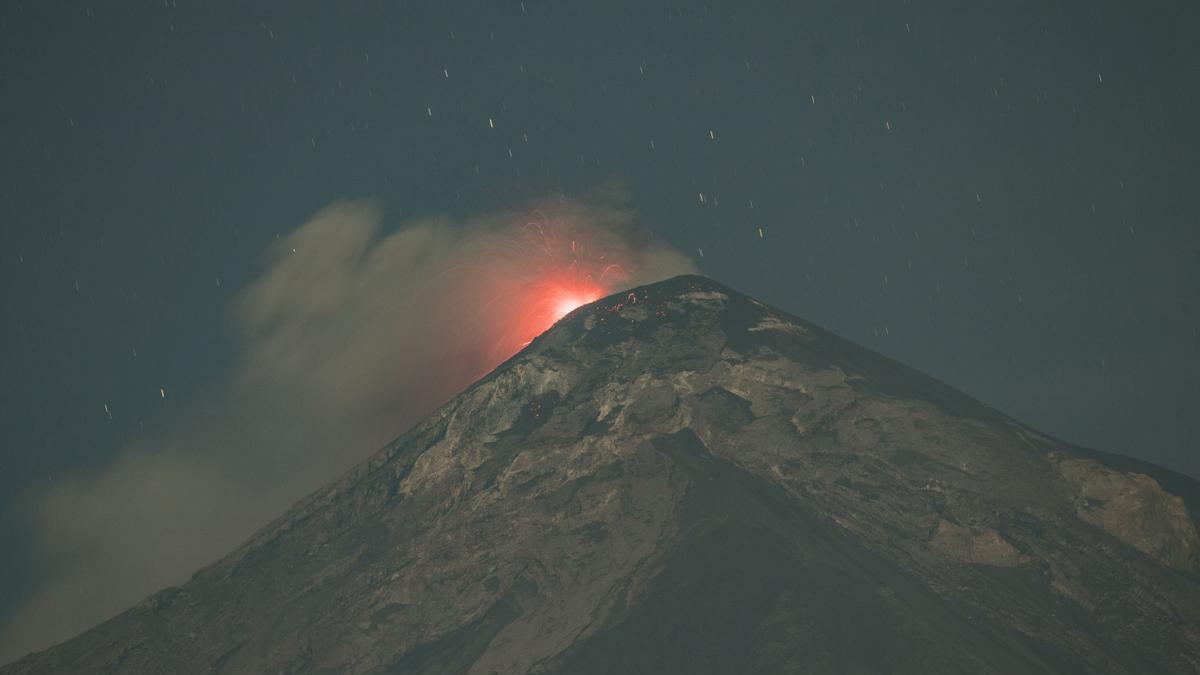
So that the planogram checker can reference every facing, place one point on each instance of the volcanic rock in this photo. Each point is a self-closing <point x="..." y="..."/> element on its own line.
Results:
<point x="679" y="479"/>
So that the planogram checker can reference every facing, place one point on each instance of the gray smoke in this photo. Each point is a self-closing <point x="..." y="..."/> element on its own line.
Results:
<point x="346" y="339"/>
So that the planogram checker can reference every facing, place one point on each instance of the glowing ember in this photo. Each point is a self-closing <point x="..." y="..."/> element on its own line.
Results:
<point x="570" y="300"/>
<point x="550" y="299"/>
<point x="484" y="292"/>
<point x="537" y="275"/>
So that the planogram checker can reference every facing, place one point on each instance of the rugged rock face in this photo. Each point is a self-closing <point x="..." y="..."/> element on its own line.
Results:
<point x="680" y="479"/>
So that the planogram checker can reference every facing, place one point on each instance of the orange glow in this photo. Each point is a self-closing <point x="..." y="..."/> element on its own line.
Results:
<point x="540" y="273"/>
<point x="553" y="298"/>
<point x="569" y="300"/>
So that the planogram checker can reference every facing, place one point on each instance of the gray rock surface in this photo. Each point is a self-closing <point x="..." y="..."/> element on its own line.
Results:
<point x="681" y="479"/>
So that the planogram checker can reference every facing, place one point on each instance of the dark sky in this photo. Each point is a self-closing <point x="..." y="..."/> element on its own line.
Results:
<point x="1001" y="194"/>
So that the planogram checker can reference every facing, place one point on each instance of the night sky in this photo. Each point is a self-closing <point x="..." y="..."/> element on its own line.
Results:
<point x="1002" y="195"/>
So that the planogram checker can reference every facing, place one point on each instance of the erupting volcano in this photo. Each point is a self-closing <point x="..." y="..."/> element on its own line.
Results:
<point x="679" y="479"/>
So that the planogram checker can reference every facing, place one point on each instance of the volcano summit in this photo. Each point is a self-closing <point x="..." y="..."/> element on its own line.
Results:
<point x="679" y="479"/>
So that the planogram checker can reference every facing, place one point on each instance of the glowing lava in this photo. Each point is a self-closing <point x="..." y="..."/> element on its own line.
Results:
<point x="570" y="300"/>
<point x="552" y="271"/>
<point x="545" y="300"/>
<point x="502" y="284"/>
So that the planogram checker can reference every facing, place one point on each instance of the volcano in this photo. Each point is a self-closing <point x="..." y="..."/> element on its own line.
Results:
<point x="680" y="479"/>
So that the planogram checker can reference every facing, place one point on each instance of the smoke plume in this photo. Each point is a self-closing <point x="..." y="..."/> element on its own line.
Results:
<point x="348" y="337"/>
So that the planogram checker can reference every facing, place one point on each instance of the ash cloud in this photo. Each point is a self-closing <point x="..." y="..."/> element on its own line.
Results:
<point x="347" y="338"/>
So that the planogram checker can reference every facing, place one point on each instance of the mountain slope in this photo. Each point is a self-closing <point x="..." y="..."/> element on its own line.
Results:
<point x="681" y="479"/>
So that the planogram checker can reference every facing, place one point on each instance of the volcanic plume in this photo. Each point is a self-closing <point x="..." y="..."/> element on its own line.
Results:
<point x="357" y="327"/>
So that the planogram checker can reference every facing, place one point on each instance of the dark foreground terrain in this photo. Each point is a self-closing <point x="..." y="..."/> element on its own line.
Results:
<point x="679" y="479"/>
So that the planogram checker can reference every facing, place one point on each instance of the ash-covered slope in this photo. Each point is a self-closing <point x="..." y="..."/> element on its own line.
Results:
<point x="680" y="479"/>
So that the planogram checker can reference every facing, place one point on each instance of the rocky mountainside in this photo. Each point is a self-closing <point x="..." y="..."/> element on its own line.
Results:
<point x="679" y="479"/>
